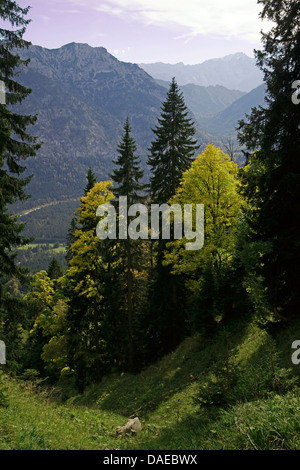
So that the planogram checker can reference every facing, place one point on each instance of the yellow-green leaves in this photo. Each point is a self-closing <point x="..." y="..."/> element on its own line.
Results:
<point x="100" y="194"/>
<point x="86" y="255"/>
<point x="42" y="289"/>
<point x="212" y="181"/>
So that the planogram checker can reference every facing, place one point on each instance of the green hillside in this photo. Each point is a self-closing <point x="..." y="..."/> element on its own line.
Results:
<point x="171" y="306"/>
<point x="235" y="390"/>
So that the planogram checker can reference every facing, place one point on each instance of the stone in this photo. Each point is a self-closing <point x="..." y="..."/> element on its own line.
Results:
<point x="132" y="426"/>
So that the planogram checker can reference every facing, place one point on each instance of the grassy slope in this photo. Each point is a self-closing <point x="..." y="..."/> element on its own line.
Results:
<point x="242" y="370"/>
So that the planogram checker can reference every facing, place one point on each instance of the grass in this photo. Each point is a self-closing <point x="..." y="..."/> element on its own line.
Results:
<point x="236" y="390"/>
<point x="34" y="422"/>
<point x="59" y="249"/>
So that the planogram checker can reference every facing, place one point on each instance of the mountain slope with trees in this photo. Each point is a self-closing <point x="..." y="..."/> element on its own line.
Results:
<point x="82" y="96"/>
<point x="201" y="342"/>
<point x="225" y="122"/>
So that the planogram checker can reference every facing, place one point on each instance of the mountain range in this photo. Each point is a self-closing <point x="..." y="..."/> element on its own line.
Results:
<point x="224" y="122"/>
<point x="234" y="71"/>
<point x="206" y="102"/>
<point x="82" y="96"/>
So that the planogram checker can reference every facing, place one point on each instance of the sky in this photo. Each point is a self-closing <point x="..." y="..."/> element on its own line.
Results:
<point x="146" y="31"/>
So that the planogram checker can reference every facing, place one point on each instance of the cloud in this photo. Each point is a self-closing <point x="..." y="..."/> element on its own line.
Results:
<point x="233" y="18"/>
<point x="56" y="10"/>
<point x="109" y="9"/>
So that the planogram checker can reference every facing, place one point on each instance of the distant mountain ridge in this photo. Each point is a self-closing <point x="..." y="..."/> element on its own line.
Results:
<point x="225" y="122"/>
<point x="234" y="71"/>
<point x="206" y="101"/>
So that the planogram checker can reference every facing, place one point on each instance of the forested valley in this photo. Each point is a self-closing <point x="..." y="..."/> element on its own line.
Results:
<point x="199" y="344"/>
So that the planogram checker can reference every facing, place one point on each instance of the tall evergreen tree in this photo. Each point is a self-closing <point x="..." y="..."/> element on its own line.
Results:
<point x="91" y="180"/>
<point x="127" y="178"/>
<point x="172" y="151"/>
<point x="128" y="174"/>
<point x="272" y="140"/>
<point x="15" y="143"/>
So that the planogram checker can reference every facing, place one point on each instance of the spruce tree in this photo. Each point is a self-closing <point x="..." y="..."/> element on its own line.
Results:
<point x="171" y="154"/>
<point x="272" y="140"/>
<point x="128" y="174"/>
<point x="127" y="182"/>
<point x="174" y="147"/>
<point x="55" y="270"/>
<point x="15" y="143"/>
<point x="91" y="180"/>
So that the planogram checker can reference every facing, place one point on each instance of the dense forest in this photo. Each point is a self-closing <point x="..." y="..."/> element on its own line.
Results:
<point x="116" y="306"/>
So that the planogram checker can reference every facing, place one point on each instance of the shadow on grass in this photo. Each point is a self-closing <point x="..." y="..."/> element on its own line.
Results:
<point x="176" y="375"/>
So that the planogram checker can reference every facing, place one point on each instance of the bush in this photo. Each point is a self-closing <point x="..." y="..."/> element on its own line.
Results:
<point x="232" y="381"/>
<point x="31" y="375"/>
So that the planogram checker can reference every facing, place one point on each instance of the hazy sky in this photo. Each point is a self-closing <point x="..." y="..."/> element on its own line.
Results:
<point x="188" y="31"/>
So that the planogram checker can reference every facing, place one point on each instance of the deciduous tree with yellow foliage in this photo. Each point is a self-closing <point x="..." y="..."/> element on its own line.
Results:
<point x="213" y="181"/>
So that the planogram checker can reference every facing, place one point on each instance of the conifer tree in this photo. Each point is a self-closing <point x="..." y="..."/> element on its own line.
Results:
<point x="272" y="139"/>
<point x="128" y="174"/>
<point x="174" y="147"/>
<point x="171" y="153"/>
<point x="127" y="182"/>
<point x="91" y="180"/>
<point x="15" y="143"/>
<point x="55" y="270"/>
